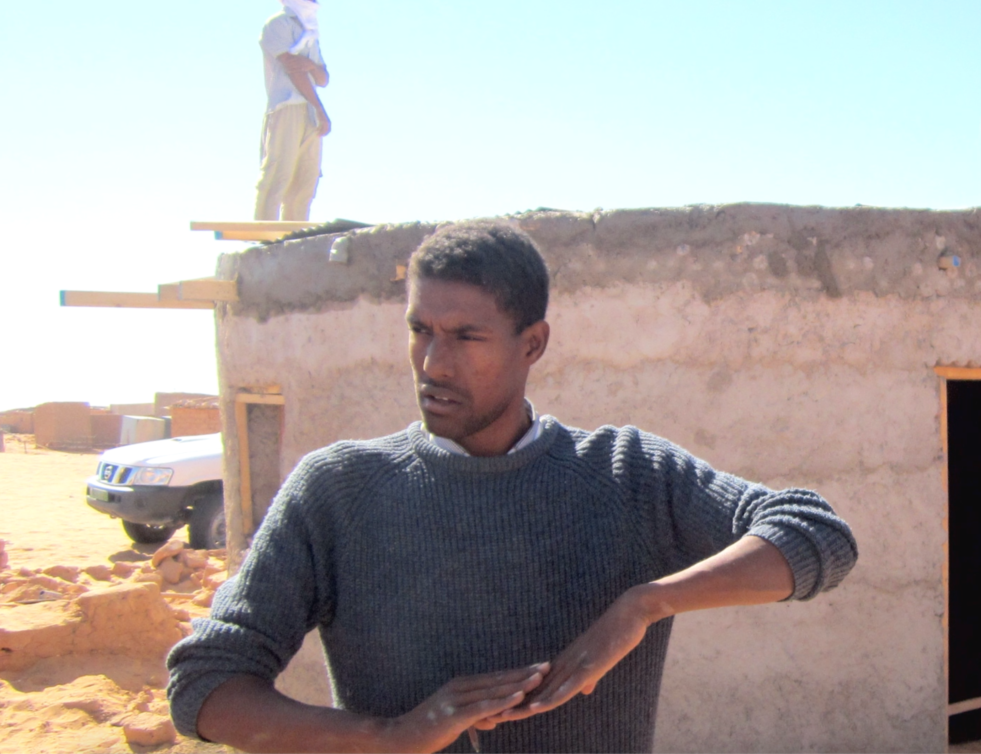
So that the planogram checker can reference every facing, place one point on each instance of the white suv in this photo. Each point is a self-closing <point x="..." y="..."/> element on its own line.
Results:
<point x="157" y="487"/>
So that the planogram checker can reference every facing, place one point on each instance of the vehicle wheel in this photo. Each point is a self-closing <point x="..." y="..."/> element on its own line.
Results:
<point x="147" y="534"/>
<point x="207" y="523"/>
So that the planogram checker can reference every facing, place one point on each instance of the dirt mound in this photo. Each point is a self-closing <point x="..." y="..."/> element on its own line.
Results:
<point x="82" y="650"/>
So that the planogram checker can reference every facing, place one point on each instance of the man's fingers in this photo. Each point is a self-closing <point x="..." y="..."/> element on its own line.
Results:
<point x="479" y="710"/>
<point x="557" y="680"/>
<point x="471" y="696"/>
<point x="554" y="697"/>
<point x="482" y="698"/>
<point x="537" y="702"/>
<point x="511" y="714"/>
<point x="563" y="683"/>
<point x="500" y="678"/>
<point x="543" y="700"/>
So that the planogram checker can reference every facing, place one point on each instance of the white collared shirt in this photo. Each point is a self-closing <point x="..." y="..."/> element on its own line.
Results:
<point x="280" y="33"/>
<point x="526" y="439"/>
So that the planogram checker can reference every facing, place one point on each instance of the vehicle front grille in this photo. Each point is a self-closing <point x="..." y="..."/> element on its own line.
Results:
<point x="112" y="473"/>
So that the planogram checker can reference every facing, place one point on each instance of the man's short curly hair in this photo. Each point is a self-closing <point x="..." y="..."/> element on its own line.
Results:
<point x="491" y="255"/>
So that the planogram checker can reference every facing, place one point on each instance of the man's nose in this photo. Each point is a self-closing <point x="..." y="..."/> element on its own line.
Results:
<point x="438" y="363"/>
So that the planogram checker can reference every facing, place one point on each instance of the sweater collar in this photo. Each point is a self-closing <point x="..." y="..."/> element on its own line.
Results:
<point x="549" y="428"/>
<point x="526" y="439"/>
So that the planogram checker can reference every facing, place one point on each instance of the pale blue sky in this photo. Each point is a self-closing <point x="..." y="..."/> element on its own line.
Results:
<point x="124" y="120"/>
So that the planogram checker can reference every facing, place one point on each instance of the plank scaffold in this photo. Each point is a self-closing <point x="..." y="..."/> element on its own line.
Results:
<point x="270" y="230"/>
<point x="201" y="293"/>
<point x="252" y="231"/>
<point x="127" y="300"/>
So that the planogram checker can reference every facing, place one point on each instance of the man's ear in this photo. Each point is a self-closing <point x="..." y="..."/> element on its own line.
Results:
<point x="535" y="341"/>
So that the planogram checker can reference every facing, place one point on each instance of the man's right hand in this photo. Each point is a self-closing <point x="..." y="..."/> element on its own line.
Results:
<point x="460" y="704"/>
<point x="323" y="122"/>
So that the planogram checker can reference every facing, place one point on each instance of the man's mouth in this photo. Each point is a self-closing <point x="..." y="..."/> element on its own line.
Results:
<point x="438" y="399"/>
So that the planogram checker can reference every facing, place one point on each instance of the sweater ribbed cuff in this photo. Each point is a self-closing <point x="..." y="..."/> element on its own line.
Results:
<point x="801" y="556"/>
<point x="184" y="712"/>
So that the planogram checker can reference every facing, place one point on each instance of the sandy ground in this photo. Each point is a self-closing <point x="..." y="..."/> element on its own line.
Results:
<point x="110" y="699"/>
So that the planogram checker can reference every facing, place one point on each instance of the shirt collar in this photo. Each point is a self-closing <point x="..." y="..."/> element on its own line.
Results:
<point x="526" y="439"/>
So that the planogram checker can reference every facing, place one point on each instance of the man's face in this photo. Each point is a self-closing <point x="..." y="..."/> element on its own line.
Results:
<point x="469" y="365"/>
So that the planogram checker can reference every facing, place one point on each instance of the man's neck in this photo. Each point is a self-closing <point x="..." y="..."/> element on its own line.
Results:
<point x="527" y="431"/>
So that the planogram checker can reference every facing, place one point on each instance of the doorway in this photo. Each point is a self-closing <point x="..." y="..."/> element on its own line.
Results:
<point x="963" y="441"/>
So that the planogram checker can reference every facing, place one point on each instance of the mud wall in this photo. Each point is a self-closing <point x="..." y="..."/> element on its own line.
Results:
<point x="790" y="345"/>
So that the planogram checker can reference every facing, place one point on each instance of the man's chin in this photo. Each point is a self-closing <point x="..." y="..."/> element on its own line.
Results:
<point x="442" y="427"/>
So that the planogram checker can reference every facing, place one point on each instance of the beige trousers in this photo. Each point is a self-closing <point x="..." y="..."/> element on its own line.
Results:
<point x="289" y="165"/>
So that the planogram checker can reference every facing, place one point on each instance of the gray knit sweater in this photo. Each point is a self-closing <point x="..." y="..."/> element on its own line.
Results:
<point x="418" y="565"/>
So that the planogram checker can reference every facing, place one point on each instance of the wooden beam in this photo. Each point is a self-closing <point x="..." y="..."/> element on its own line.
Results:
<point x="958" y="373"/>
<point x="249" y="235"/>
<point x="264" y="226"/>
<point x="168" y="291"/>
<point x="207" y="289"/>
<point x="945" y="524"/>
<point x="968" y="705"/>
<point x="127" y="300"/>
<point x="273" y="230"/>
<point x="253" y="231"/>
<point x="244" y="466"/>
<point x="271" y="388"/>
<point x="270" y="399"/>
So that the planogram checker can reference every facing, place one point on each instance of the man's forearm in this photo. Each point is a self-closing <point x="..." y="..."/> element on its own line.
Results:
<point x="249" y="714"/>
<point x="301" y="64"/>
<point x="303" y="84"/>
<point x="320" y="75"/>
<point x="749" y="572"/>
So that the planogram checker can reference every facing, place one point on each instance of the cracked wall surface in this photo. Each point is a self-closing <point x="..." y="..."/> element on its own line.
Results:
<point x="790" y="345"/>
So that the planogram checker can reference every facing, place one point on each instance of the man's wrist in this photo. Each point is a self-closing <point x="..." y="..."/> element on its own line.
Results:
<point x="361" y="733"/>
<point x="650" y="602"/>
<point x="395" y="734"/>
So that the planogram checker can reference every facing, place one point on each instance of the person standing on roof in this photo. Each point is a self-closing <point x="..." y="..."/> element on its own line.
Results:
<point x="295" y="121"/>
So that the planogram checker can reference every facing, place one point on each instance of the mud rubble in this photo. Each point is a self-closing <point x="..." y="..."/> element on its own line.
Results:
<point x="82" y="649"/>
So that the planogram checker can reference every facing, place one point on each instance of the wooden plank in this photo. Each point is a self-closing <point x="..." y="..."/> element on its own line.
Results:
<point x="266" y="400"/>
<point x="207" y="289"/>
<point x="249" y="235"/>
<point x="119" y="299"/>
<point x="168" y="291"/>
<point x="968" y="705"/>
<point x="272" y="230"/>
<point x="958" y="373"/>
<point x="945" y="524"/>
<point x="244" y="466"/>
<point x="255" y="226"/>
<point x="261" y="389"/>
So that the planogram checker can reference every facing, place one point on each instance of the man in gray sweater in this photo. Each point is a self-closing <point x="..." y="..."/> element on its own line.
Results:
<point x="488" y="577"/>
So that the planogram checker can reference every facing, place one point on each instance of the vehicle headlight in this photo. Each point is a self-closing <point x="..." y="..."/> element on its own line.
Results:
<point x="151" y="475"/>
